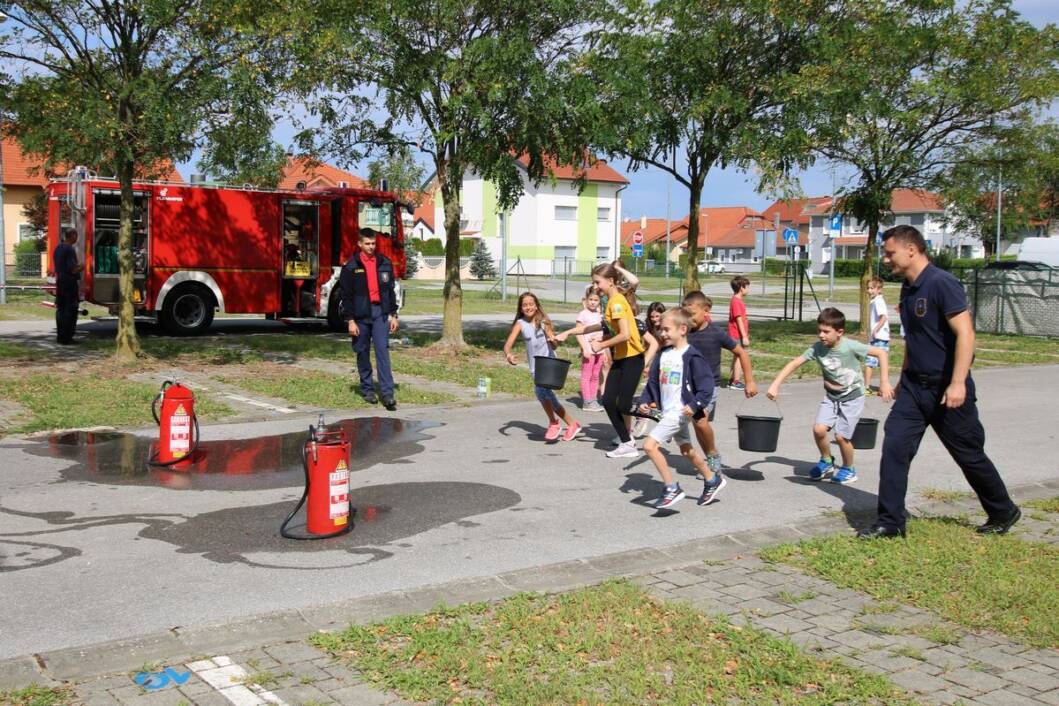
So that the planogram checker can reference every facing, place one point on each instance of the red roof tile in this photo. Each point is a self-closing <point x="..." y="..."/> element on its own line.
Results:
<point x="901" y="201"/>
<point x="654" y="231"/>
<point x="20" y="170"/>
<point x="424" y="208"/>
<point x="794" y="211"/>
<point x="598" y="170"/>
<point x="714" y="222"/>
<point x="317" y="175"/>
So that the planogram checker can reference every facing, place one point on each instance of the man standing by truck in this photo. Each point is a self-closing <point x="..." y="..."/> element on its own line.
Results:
<point x="67" y="271"/>
<point x="369" y="306"/>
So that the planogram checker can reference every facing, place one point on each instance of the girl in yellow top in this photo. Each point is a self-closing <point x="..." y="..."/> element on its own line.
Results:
<point x="627" y="349"/>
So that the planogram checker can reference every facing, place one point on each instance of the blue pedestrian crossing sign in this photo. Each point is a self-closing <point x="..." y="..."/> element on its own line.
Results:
<point x="790" y="236"/>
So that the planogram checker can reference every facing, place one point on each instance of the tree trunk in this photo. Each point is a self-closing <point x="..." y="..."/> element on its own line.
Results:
<point x="128" y="343"/>
<point x="691" y="269"/>
<point x="452" y="318"/>
<point x="866" y="275"/>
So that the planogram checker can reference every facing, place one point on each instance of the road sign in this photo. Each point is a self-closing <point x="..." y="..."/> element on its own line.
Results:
<point x="878" y="238"/>
<point x="790" y="235"/>
<point x="637" y="238"/>
<point x="637" y="250"/>
<point x="836" y="222"/>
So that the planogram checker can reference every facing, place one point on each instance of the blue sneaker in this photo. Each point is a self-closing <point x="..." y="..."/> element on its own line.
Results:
<point x="824" y="467"/>
<point x="845" y="475"/>
<point x="671" y="495"/>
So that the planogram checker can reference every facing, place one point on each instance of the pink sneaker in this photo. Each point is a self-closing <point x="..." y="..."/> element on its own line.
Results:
<point x="553" y="432"/>
<point x="571" y="432"/>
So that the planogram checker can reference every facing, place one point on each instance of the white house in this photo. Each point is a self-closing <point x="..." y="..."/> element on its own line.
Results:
<point x="920" y="209"/>
<point x="552" y="226"/>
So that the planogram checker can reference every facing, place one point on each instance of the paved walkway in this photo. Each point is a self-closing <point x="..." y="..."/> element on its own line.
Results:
<point x="244" y="667"/>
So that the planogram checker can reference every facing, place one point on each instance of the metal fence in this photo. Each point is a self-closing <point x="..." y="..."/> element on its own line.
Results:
<point x="1014" y="301"/>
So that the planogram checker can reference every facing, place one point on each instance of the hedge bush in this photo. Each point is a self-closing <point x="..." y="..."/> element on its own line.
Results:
<point x="435" y="247"/>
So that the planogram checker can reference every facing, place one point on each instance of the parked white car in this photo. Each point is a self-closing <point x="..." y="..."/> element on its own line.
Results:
<point x="711" y="267"/>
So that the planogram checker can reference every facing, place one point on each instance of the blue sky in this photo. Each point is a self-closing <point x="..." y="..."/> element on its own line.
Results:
<point x="646" y="195"/>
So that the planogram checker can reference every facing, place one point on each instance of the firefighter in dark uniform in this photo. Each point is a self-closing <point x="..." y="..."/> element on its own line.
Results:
<point x="935" y="389"/>
<point x="369" y="306"/>
<point x="67" y="273"/>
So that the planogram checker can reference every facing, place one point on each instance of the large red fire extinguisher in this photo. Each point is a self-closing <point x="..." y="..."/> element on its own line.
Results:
<point x="178" y="427"/>
<point x="325" y="459"/>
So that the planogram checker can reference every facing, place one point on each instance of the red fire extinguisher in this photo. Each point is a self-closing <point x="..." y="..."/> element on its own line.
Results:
<point x="325" y="459"/>
<point x="178" y="427"/>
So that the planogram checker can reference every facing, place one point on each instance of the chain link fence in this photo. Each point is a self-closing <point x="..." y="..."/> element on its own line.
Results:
<point x="1014" y="301"/>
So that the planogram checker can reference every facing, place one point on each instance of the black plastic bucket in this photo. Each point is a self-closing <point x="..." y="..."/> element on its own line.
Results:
<point x="864" y="434"/>
<point x="550" y="372"/>
<point x="758" y="433"/>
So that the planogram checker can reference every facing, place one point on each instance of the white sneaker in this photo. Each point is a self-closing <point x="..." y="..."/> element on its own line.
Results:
<point x="626" y="450"/>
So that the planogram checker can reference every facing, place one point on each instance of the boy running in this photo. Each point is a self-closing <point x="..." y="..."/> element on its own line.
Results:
<point x="708" y="339"/>
<point x="839" y="359"/>
<point x="879" y="330"/>
<point x="680" y="384"/>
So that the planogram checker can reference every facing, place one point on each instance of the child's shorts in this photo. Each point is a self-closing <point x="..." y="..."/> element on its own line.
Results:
<point x="672" y="426"/>
<point x="711" y="406"/>
<point x="871" y="361"/>
<point x="545" y="394"/>
<point x="842" y="417"/>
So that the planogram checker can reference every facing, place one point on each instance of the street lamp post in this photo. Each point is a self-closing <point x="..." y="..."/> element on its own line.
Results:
<point x="3" y="239"/>
<point x="999" y="207"/>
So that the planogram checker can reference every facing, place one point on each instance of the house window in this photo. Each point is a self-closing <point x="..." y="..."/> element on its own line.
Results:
<point x="966" y="251"/>
<point x="602" y="214"/>
<point x="26" y="232"/>
<point x="602" y="253"/>
<point x="566" y="213"/>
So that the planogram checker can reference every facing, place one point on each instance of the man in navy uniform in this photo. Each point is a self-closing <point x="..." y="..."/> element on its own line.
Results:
<point x="935" y="389"/>
<point x="369" y="305"/>
<point x="67" y="272"/>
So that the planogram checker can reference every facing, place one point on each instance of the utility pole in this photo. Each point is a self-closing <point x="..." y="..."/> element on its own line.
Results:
<point x="834" y="246"/>
<point x="669" y="180"/>
<point x="3" y="239"/>
<point x="503" y="256"/>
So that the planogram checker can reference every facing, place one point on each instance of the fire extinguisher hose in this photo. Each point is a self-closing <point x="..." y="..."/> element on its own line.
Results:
<point x="305" y="494"/>
<point x="152" y="460"/>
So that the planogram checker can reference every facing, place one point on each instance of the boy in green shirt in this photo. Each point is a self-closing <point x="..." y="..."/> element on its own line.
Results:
<point x="840" y="363"/>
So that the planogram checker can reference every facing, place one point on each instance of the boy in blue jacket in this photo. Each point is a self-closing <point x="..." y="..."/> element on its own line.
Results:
<point x="681" y="385"/>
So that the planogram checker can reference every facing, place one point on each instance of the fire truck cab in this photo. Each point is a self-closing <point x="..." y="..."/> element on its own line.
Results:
<point x="201" y="249"/>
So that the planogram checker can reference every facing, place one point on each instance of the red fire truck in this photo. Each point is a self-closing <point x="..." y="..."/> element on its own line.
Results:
<point x="200" y="249"/>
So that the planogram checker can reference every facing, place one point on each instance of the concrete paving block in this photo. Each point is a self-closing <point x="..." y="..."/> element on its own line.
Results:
<point x="972" y="679"/>
<point x="357" y="611"/>
<point x="746" y="592"/>
<point x="116" y="656"/>
<point x="759" y="607"/>
<point x="679" y="578"/>
<point x="1031" y="678"/>
<point x="995" y="657"/>
<point x="101" y="698"/>
<point x="709" y="549"/>
<point x="165" y="697"/>
<point x="1050" y="697"/>
<point x="207" y="698"/>
<point x="300" y="694"/>
<point x="362" y="695"/>
<point x="554" y="578"/>
<point x="782" y="624"/>
<point x="289" y="653"/>
<point x="857" y="639"/>
<point x="1005" y="697"/>
<point x="915" y="680"/>
<point x="461" y="592"/>
<point x="253" y="659"/>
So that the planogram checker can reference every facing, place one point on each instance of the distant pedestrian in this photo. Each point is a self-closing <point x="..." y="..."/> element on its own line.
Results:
<point x="839" y="359"/>
<point x="67" y="276"/>
<point x="536" y="330"/>
<point x="680" y="384"/>
<point x="936" y="390"/>
<point x="369" y="305"/>
<point x="878" y="329"/>
<point x="591" y="361"/>
<point x="738" y="326"/>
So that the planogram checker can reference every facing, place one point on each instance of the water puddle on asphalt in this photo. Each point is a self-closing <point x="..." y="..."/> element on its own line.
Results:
<point x="274" y="461"/>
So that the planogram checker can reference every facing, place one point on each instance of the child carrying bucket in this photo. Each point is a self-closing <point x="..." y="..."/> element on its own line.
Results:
<point x="536" y="329"/>
<point x="840" y="363"/>
<point x="681" y="384"/>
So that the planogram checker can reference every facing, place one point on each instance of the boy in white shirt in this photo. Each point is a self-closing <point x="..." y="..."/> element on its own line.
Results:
<point x="878" y="331"/>
<point x="681" y="384"/>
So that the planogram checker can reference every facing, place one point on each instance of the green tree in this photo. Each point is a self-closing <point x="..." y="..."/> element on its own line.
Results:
<point x="482" y="265"/>
<point x="128" y="86"/>
<point x="467" y="82"/>
<point x="921" y="82"/>
<point x="403" y="175"/>
<point x="1026" y="165"/>
<point x="35" y="211"/>
<point x="690" y="85"/>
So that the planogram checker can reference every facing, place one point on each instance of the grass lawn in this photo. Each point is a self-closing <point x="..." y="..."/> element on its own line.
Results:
<point x="997" y="583"/>
<point x="321" y="389"/>
<point x="26" y="305"/>
<point x="429" y="300"/>
<point x="1046" y="504"/>
<point x="35" y="695"/>
<point x="92" y="397"/>
<point x="608" y="644"/>
<point x="9" y="351"/>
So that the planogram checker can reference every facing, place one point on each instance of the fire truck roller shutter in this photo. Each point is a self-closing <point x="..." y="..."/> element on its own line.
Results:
<point x="187" y="301"/>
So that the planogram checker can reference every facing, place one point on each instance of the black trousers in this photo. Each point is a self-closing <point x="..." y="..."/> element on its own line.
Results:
<point x="65" y="311"/>
<point x="916" y="407"/>
<point x="622" y="380"/>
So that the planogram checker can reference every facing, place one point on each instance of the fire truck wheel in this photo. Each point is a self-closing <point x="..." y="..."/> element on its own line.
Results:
<point x="334" y="317"/>
<point x="188" y="310"/>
